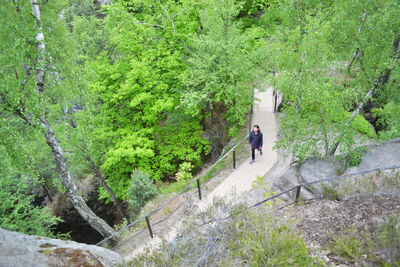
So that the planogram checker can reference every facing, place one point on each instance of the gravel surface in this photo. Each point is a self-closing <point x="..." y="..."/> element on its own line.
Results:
<point x="319" y="221"/>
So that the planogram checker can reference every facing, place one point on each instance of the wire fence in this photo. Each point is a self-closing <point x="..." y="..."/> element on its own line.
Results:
<point x="296" y="188"/>
<point x="197" y="180"/>
<point x="324" y="180"/>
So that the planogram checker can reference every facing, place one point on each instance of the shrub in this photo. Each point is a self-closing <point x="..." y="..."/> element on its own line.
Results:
<point x="17" y="212"/>
<point x="141" y="190"/>
<point x="360" y="124"/>
<point x="259" y="183"/>
<point x="376" y="182"/>
<point x="380" y="247"/>
<point x="353" y="157"/>
<point x="227" y="235"/>
<point x="184" y="172"/>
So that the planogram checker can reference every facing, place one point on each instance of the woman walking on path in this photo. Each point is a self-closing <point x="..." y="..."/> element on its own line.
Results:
<point x="255" y="141"/>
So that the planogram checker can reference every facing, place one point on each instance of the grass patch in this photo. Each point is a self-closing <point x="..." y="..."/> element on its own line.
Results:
<point x="380" y="247"/>
<point x="168" y="188"/>
<point x="330" y="193"/>
<point x="376" y="182"/>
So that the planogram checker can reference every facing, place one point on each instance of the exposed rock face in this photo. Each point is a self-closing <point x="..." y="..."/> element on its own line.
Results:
<point x="18" y="249"/>
<point x="378" y="156"/>
<point x="311" y="170"/>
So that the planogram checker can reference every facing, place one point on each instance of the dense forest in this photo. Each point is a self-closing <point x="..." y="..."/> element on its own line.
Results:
<point x="137" y="94"/>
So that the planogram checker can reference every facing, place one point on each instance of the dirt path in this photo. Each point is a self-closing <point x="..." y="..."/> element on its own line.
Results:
<point x="239" y="181"/>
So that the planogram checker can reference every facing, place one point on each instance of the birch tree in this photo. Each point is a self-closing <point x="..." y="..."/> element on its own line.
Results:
<point x="32" y="97"/>
<point x="338" y="68"/>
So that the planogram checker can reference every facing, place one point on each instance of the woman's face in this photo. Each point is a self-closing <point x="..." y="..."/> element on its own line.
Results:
<point x="255" y="129"/>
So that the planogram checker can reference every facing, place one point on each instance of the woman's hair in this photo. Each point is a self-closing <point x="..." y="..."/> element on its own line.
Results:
<point x="258" y="127"/>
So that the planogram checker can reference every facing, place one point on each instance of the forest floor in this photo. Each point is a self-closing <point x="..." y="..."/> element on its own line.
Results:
<point x="230" y="182"/>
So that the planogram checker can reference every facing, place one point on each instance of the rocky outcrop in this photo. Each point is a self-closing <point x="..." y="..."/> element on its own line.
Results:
<point x="18" y="249"/>
<point x="377" y="156"/>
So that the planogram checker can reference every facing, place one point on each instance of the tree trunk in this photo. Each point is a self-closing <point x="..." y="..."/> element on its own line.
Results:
<point x="103" y="183"/>
<point x="72" y="192"/>
<point x="95" y="169"/>
<point x="358" y="49"/>
<point x="381" y="80"/>
<point x="61" y="165"/>
<point x="40" y="47"/>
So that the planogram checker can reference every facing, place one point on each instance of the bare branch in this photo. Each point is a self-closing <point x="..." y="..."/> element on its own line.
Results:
<point x="183" y="10"/>
<point x="162" y="39"/>
<point x="27" y="75"/>
<point x="43" y="4"/>
<point x="17" y="7"/>
<point x="150" y="24"/>
<point x="166" y="12"/>
<point x="358" y="49"/>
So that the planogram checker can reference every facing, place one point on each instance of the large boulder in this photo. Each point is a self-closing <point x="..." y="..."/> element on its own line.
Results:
<point x="311" y="170"/>
<point x="18" y="249"/>
<point x="377" y="156"/>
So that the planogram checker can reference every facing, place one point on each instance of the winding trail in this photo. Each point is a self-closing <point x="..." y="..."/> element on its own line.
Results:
<point x="241" y="179"/>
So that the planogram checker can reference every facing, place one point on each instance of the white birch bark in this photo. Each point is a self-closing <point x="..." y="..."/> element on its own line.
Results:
<point x="61" y="165"/>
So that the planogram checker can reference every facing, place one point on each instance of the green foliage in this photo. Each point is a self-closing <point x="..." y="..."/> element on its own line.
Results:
<point x="267" y="244"/>
<point x="218" y="72"/>
<point x="149" y="78"/>
<point x="379" y="182"/>
<point x="140" y="191"/>
<point x="136" y="92"/>
<point x="311" y="46"/>
<point x="121" y="225"/>
<point x="259" y="183"/>
<point x="17" y="211"/>
<point x="183" y="173"/>
<point x="348" y="245"/>
<point x="353" y="158"/>
<point x="27" y="157"/>
<point x="361" y="125"/>
<point x="388" y="117"/>
<point x="330" y="193"/>
<point x="252" y="7"/>
<point x="167" y="188"/>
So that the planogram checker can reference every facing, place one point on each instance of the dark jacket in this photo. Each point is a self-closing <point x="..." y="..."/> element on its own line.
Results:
<point x="256" y="141"/>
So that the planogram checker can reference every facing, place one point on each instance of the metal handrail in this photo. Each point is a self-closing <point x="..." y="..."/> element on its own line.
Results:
<point x="299" y="186"/>
<point x="196" y="180"/>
